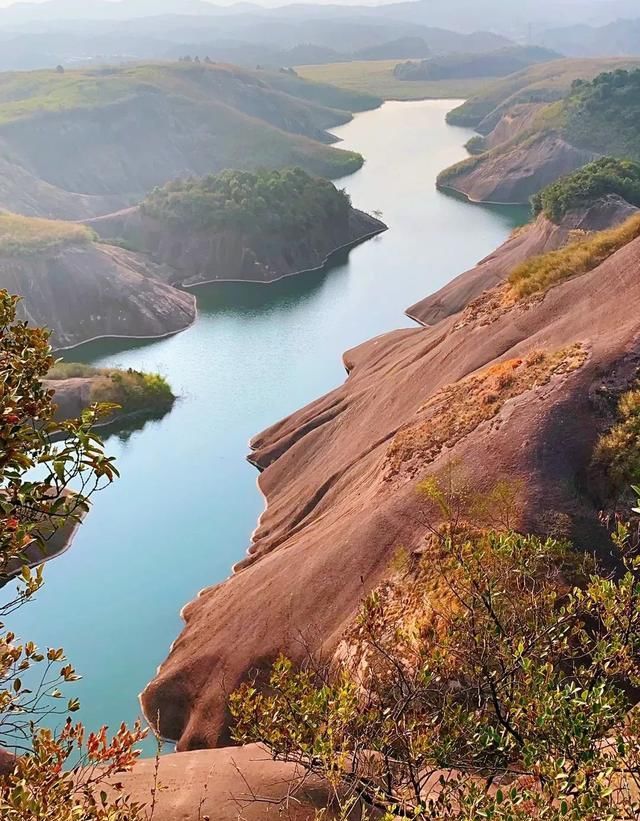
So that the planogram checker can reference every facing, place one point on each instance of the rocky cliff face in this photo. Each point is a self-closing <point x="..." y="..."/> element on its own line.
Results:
<point x="82" y="292"/>
<point x="531" y="240"/>
<point x="202" y="256"/>
<point x="511" y="174"/>
<point x="514" y="121"/>
<point x="518" y="397"/>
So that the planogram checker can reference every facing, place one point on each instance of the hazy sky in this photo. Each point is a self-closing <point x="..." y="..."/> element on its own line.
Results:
<point x="4" y="3"/>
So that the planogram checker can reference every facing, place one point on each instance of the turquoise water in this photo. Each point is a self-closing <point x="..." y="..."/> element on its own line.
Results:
<point x="186" y="504"/>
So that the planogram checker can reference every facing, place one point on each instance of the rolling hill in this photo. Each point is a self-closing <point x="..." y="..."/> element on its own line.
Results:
<point x="83" y="143"/>
<point x="498" y="63"/>
<point x="531" y="142"/>
<point x="544" y="83"/>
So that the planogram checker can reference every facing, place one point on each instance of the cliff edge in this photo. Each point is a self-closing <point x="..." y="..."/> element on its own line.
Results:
<point x="519" y="393"/>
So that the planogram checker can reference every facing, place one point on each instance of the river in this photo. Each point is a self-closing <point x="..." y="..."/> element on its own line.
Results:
<point x="183" y="511"/>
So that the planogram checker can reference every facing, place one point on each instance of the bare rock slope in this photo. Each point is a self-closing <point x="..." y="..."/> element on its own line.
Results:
<point x="511" y="174"/>
<point x="204" y="255"/>
<point x="515" y="397"/>
<point x="92" y="290"/>
<point x="536" y="238"/>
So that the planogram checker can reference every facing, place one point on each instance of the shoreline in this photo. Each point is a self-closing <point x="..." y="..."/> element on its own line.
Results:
<point x="450" y="189"/>
<point x="188" y="288"/>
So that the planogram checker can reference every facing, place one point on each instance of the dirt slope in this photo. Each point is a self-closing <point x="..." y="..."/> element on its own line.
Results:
<point x="340" y="475"/>
<point x="536" y="238"/>
<point x="82" y="292"/>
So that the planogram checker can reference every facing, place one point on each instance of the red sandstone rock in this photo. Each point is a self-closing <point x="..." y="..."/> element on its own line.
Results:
<point x="333" y="522"/>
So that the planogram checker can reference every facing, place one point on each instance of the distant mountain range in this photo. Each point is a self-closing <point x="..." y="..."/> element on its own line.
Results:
<point x="74" y="32"/>
<point x="501" y="16"/>
<point x="249" y="38"/>
<point x="614" y="39"/>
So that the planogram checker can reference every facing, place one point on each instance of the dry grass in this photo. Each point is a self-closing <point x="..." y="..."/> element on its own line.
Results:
<point x="618" y="450"/>
<point x="376" y="77"/>
<point x="28" y="235"/>
<point x="578" y="257"/>
<point x="456" y="410"/>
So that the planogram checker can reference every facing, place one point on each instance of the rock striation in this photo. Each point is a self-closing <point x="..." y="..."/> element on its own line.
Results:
<point x="511" y="174"/>
<point x="201" y="256"/>
<point x="533" y="239"/>
<point x="517" y="397"/>
<point x="93" y="290"/>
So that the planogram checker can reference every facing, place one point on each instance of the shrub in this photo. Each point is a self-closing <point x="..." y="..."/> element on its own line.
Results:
<point x="476" y="145"/>
<point x="597" y="179"/>
<point x="58" y="776"/>
<point x="618" y="451"/>
<point x="133" y="390"/>
<point x="489" y="682"/>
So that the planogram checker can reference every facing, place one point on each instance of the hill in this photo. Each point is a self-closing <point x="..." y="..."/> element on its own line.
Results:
<point x="618" y="38"/>
<point x="81" y="289"/>
<point x="532" y="144"/>
<point x="509" y="391"/>
<point x="543" y="83"/>
<point x="403" y="47"/>
<point x="241" y="225"/>
<point x="492" y="64"/>
<point x="604" y="115"/>
<point x="81" y="143"/>
<point x="377" y="77"/>
<point x="603" y="178"/>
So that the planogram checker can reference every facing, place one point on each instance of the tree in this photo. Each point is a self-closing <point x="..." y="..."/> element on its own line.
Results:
<point x="493" y="680"/>
<point x="60" y="69"/>
<point x="49" y="470"/>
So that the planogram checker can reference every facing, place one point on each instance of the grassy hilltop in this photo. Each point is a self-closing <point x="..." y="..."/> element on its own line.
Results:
<point x="377" y="77"/>
<point x="30" y="235"/>
<point x="81" y="143"/>
<point x="542" y="83"/>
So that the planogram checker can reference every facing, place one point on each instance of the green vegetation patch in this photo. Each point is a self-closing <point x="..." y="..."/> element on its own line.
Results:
<point x="377" y="77"/>
<point x="597" y="179"/>
<point x="322" y="93"/>
<point x="133" y="391"/>
<point x="497" y="63"/>
<point x="604" y="114"/>
<point x="25" y="93"/>
<point x="578" y="257"/>
<point x="618" y="451"/>
<point x="283" y="203"/>
<point x="32" y="235"/>
<point x="542" y="83"/>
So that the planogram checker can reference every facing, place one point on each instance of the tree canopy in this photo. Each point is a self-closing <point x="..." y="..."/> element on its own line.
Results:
<point x="284" y="203"/>
<point x="597" y="179"/>
<point x="604" y="114"/>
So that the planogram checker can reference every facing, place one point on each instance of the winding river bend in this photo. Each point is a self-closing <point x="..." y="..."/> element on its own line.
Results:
<point x="183" y="511"/>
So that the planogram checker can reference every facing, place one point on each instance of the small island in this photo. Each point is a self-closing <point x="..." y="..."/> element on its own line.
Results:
<point x="78" y="386"/>
<point x="241" y="225"/>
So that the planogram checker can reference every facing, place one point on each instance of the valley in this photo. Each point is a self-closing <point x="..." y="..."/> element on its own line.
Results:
<point x="353" y="320"/>
<point x="254" y="354"/>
